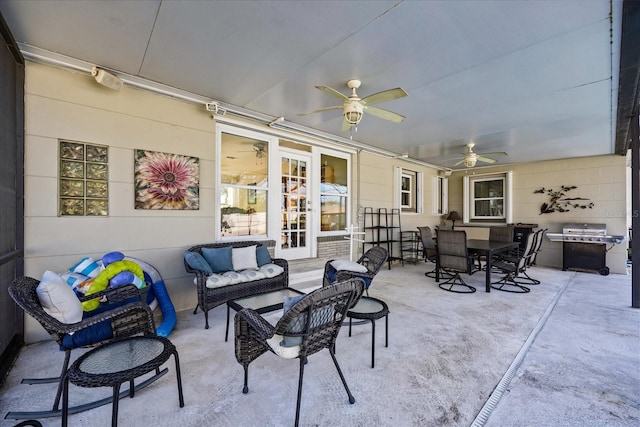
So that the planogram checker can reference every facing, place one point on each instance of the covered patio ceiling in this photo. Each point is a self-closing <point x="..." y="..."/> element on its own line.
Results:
<point x="538" y="80"/>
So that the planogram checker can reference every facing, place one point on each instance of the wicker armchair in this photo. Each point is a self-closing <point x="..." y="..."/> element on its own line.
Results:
<point x="315" y="321"/>
<point x="209" y="298"/>
<point x="454" y="257"/>
<point x="373" y="260"/>
<point x="129" y="316"/>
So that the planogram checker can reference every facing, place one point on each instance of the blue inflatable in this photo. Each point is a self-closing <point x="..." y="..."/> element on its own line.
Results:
<point x="158" y="294"/>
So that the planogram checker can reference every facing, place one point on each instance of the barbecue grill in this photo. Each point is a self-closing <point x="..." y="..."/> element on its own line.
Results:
<point x="584" y="246"/>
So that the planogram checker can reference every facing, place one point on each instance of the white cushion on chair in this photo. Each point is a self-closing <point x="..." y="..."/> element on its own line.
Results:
<point x="282" y="351"/>
<point x="343" y="265"/>
<point x="58" y="299"/>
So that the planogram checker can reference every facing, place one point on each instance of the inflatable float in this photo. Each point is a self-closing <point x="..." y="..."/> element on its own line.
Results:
<point x="158" y="296"/>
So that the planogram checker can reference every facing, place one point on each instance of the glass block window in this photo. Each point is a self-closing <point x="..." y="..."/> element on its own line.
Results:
<point x="84" y="179"/>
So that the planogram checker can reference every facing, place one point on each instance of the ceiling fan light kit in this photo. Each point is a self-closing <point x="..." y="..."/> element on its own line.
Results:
<point x="354" y="107"/>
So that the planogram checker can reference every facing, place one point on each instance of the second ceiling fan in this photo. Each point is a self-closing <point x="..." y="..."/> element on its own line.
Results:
<point x="354" y="107"/>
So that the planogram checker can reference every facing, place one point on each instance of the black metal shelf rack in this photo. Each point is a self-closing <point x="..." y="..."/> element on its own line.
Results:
<point x="382" y="228"/>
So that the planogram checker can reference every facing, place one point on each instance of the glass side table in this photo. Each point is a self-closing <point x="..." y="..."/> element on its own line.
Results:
<point x="371" y="309"/>
<point x="118" y="362"/>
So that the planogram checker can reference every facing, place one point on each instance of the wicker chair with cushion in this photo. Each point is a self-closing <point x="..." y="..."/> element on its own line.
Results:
<point x="124" y="314"/>
<point x="310" y="325"/>
<point x="366" y="268"/>
<point x="454" y="257"/>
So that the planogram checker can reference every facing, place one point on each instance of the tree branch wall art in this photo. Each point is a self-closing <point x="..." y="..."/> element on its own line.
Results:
<point x="560" y="202"/>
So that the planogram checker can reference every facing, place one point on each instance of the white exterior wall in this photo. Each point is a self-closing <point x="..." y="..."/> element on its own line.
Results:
<point x="64" y="105"/>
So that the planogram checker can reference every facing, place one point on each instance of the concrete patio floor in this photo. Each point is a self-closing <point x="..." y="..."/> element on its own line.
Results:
<point x="565" y="354"/>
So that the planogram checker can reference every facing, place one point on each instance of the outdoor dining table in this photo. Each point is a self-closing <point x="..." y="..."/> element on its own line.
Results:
<point x="487" y="248"/>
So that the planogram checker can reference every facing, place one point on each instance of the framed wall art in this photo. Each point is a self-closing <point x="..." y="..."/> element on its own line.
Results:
<point x="166" y="181"/>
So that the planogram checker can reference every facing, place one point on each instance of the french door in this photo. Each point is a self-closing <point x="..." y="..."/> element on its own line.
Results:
<point x="295" y="205"/>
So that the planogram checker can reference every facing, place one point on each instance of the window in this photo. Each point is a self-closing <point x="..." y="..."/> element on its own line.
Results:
<point x="440" y="195"/>
<point x="83" y="180"/>
<point x="488" y="198"/>
<point x="409" y="194"/>
<point x="334" y="193"/>
<point x="244" y="184"/>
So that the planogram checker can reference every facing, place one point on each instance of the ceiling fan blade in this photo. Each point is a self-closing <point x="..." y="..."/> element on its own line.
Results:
<point x="459" y="163"/>
<point x="384" y="114"/>
<point x="385" y="95"/>
<point x="332" y="92"/>
<point x="336" y="107"/>
<point x="345" y="125"/>
<point x="485" y="159"/>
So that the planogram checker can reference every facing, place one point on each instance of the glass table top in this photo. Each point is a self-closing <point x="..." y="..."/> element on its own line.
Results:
<point x="122" y="355"/>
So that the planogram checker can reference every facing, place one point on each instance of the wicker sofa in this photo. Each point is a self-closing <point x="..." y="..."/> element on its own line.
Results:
<point x="209" y="298"/>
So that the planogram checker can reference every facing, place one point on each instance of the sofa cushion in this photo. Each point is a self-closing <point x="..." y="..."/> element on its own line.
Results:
<point x="254" y="274"/>
<point x="217" y="280"/>
<point x="197" y="262"/>
<point x="262" y="255"/>
<point x="244" y="258"/>
<point x="271" y="270"/>
<point x="218" y="258"/>
<point x="58" y="299"/>
<point x="236" y="277"/>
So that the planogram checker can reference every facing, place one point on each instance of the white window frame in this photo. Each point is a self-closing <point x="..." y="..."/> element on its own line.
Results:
<point x="273" y="224"/>
<point x="440" y="191"/>
<point x="318" y="152"/>
<point x="399" y="173"/>
<point x="468" y="198"/>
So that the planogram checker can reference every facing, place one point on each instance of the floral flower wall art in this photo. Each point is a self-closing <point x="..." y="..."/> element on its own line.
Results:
<point x="166" y="181"/>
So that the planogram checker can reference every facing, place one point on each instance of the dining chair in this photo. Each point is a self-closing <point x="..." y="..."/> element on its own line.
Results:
<point x="428" y="248"/>
<point x="512" y="267"/>
<point x="454" y="257"/>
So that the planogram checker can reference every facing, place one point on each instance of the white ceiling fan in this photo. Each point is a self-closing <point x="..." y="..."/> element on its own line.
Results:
<point x="257" y="147"/>
<point x="353" y="106"/>
<point x="471" y="157"/>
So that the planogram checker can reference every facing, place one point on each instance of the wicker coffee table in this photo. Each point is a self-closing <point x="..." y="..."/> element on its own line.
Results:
<point x="118" y="362"/>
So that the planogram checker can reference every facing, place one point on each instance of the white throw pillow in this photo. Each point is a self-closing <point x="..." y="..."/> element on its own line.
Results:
<point x="344" y="265"/>
<point x="244" y="258"/>
<point x="58" y="299"/>
<point x="271" y="270"/>
<point x="217" y="280"/>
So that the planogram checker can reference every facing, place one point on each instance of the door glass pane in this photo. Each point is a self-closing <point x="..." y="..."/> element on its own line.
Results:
<point x="294" y="202"/>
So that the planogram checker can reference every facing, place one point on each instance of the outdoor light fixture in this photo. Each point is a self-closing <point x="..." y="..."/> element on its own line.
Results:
<point x="470" y="161"/>
<point x="106" y="79"/>
<point x="352" y="112"/>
